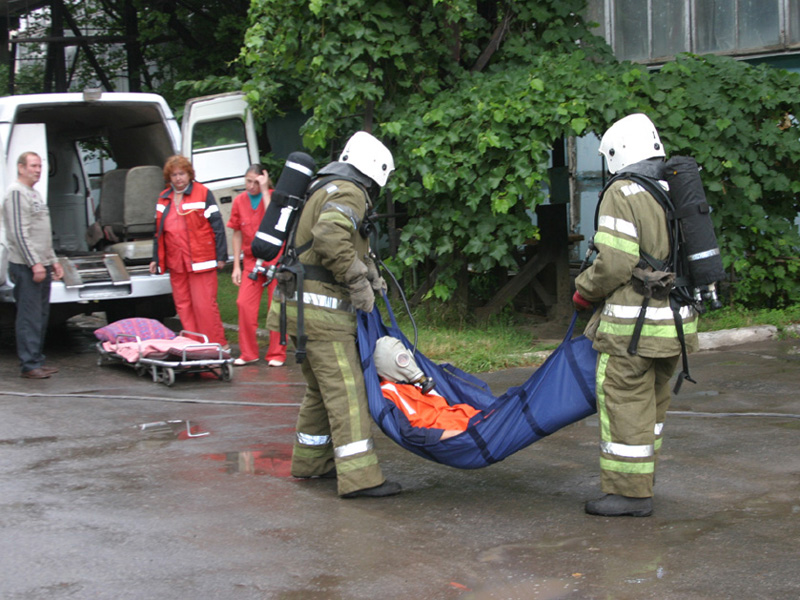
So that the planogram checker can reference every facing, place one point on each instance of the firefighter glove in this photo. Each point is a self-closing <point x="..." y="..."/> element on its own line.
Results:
<point x="378" y="283"/>
<point x="361" y="294"/>
<point x="580" y="302"/>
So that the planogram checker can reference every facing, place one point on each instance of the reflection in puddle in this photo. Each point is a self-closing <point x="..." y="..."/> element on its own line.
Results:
<point x="267" y="459"/>
<point x="177" y="429"/>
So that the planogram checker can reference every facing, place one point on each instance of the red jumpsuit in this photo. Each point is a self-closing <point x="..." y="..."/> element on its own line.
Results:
<point x="189" y="245"/>
<point x="245" y="219"/>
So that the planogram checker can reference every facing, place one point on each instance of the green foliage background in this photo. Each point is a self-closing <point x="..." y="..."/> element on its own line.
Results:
<point x="472" y="140"/>
<point x="471" y="96"/>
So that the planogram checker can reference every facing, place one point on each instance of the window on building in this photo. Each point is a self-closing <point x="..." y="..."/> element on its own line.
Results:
<point x="794" y="21"/>
<point x="655" y="30"/>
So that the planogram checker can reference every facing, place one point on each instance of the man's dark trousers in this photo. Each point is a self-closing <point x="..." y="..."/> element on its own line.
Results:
<point x="33" y="310"/>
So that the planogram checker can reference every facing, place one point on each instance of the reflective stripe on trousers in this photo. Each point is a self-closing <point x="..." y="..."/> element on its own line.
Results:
<point x="334" y="423"/>
<point x="632" y="399"/>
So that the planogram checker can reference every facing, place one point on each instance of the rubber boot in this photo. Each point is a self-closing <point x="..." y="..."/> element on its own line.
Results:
<point x="387" y="488"/>
<point x="614" y="505"/>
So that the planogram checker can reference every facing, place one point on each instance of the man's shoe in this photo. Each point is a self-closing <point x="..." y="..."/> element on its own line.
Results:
<point x="35" y="374"/>
<point x="51" y="370"/>
<point x="240" y="362"/>
<point x="275" y="363"/>
<point x="387" y="488"/>
<point x="614" y="505"/>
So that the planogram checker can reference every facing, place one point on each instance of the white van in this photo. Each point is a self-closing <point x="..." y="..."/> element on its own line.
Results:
<point x="103" y="233"/>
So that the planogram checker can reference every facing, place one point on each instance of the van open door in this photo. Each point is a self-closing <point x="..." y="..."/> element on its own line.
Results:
<point x="219" y="137"/>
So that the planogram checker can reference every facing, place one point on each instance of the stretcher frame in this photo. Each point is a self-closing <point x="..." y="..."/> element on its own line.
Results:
<point x="165" y="370"/>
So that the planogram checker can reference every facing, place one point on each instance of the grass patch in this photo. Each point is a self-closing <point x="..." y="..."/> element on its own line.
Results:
<point x="227" y="293"/>
<point x="476" y="350"/>
<point x="503" y="342"/>
<point x="735" y="317"/>
<point x="506" y="341"/>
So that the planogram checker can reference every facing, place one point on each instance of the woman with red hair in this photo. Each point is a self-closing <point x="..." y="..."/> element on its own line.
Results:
<point x="190" y="245"/>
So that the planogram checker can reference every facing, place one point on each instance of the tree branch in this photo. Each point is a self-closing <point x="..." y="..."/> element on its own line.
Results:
<point x="497" y="38"/>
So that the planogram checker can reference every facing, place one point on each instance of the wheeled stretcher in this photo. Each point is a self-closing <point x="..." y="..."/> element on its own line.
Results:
<point x="150" y="347"/>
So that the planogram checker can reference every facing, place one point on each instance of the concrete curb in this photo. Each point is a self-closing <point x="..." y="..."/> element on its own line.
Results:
<point x="711" y="340"/>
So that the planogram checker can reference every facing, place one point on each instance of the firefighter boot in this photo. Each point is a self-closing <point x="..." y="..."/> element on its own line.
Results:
<point x="614" y="505"/>
<point x="387" y="488"/>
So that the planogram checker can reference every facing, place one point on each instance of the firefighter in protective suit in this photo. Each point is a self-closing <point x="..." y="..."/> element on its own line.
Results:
<point x="333" y="437"/>
<point x="633" y="391"/>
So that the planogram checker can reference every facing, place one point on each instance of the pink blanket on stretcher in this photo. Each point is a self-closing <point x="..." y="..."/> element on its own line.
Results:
<point x="165" y="350"/>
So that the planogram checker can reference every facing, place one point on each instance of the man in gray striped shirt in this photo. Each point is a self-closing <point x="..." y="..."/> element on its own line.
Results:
<point x="32" y="264"/>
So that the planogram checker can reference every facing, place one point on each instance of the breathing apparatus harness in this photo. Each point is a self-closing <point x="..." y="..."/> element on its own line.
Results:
<point x="688" y="275"/>
<point x="291" y="273"/>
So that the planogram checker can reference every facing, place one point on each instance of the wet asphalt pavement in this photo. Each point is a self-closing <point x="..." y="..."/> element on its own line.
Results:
<point x="115" y="487"/>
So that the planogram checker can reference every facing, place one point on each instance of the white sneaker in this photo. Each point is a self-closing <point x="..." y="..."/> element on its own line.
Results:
<point x="275" y="363"/>
<point x="240" y="362"/>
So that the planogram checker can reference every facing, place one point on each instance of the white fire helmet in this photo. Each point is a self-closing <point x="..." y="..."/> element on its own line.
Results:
<point x="629" y="140"/>
<point x="367" y="154"/>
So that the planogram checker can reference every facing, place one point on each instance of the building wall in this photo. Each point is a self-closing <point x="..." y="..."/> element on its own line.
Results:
<point x="653" y="31"/>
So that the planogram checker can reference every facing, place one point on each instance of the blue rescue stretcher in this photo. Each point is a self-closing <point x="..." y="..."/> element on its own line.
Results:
<point x="559" y="393"/>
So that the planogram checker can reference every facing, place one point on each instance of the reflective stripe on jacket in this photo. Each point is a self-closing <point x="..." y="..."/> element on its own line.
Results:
<point x="630" y="221"/>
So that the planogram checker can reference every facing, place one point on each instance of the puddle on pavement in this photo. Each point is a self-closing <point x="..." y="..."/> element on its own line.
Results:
<point x="31" y="440"/>
<point x="176" y="429"/>
<point x="274" y="459"/>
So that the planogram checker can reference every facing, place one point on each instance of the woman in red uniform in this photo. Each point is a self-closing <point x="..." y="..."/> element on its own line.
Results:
<point x="190" y="245"/>
<point x="246" y="215"/>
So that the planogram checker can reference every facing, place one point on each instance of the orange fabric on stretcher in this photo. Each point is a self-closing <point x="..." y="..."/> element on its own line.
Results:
<point x="429" y="410"/>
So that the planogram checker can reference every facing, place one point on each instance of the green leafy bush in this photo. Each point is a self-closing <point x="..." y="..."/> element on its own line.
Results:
<point x="472" y="96"/>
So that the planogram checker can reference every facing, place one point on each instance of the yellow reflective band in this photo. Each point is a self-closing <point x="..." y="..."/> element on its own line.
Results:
<point x="657" y="444"/>
<point x="656" y="331"/>
<point x="350" y="385"/>
<point x="310" y="451"/>
<point x="642" y="468"/>
<point x="606" y="239"/>
<point x="311" y="313"/>
<point x="605" y="425"/>
<point x="354" y="464"/>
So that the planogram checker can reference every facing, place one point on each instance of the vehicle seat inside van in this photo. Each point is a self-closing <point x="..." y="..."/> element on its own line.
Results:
<point x="142" y="188"/>
<point x="112" y="196"/>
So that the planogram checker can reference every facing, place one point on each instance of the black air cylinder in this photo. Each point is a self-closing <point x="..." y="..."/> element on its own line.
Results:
<point x="284" y="207"/>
